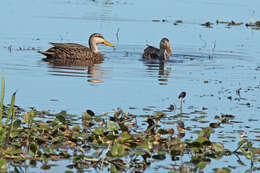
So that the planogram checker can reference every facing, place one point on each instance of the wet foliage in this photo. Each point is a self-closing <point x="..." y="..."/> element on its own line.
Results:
<point x="114" y="141"/>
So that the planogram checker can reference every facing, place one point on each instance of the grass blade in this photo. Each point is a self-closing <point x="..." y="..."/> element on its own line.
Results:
<point x="2" y="98"/>
<point x="11" y="112"/>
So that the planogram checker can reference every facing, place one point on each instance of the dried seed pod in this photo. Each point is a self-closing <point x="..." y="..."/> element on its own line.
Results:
<point x="182" y="95"/>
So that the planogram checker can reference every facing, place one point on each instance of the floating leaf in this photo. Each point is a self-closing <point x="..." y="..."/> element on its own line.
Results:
<point x="76" y="128"/>
<point x="3" y="165"/>
<point x="249" y="154"/>
<point x="218" y="147"/>
<point x="67" y="171"/>
<point x="162" y="131"/>
<point x="86" y="116"/>
<point x="117" y="150"/>
<point x="222" y="170"/>
<point x="61" y="118"/>
<point x="112" y="126"/>
<point x="139" y="153"/>
<point x="12" y="151"/>
<point x="147" y="145"/>
<point x="33" y="148"/>
<point x="160" y="115"/>
<point x="206" y="132"/>
<point x="98" y="131"/>
<point x="202" y="140"/>
<point x="114" y="169"/>
<point x="125" y="135"/>
<point x="202" y="165"/>
<point x="45" y="166"/>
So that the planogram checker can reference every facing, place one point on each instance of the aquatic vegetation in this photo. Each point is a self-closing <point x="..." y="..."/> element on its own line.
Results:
<point x="113" y="141"/>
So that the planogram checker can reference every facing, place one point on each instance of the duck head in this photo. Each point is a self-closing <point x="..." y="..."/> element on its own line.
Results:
<point x="165" y="45"/>
<point x="95" y="39"/>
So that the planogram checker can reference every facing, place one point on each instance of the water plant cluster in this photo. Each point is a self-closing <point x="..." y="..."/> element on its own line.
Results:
<point x="112" y="142"/>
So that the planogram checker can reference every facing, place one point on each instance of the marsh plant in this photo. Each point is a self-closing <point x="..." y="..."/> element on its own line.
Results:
<point x="111" y="142"/>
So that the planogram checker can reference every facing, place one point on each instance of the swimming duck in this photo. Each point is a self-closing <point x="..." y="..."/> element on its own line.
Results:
<point x="154" y="53"/>
<point x="70" y="52"/>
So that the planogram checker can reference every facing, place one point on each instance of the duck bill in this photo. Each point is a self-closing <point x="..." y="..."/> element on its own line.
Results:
<point x="168" y="50"/>
<point x="108" y="43"/>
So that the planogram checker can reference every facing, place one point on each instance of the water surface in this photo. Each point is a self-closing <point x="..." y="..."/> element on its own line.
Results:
<point x="210" y="64"/>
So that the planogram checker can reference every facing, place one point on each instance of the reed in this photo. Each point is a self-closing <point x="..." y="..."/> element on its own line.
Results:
<point x="5" y="128"/>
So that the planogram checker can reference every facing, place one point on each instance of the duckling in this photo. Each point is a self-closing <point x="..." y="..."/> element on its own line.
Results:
<point x="154" y="53"/>
<point x="70" y="52"/>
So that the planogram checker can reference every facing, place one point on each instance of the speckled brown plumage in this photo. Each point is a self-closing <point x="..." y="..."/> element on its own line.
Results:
<point x="73" y="54"/>
<point x="154" y="53"/>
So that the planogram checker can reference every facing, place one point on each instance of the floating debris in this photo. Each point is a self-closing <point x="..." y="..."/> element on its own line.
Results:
<point x="232" y="23"/>
<point x="207" y="24"/>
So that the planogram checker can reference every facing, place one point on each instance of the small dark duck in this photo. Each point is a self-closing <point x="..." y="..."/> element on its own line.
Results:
<point x="154" y="53"/>
<point x="73" y="52"/>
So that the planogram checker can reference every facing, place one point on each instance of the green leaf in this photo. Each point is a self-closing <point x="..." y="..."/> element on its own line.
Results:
<point x="31" y="115"/>
<point x="160" y="115"/>
<point x="206" y="132"/>
<point x="114" y="169"/>
<point x="33" y="148"/>
<point x="3" y="165"/>
<point x="147" y="145"/>
<point x="67" y="171"/>
<point x="202" y="165"/>
<point x="61" y="118"/>
<point x="222" y="170"/>
<point x="125" y="135"/>
<point x="139" y="153"/>
<point x="117" y="150"/>
<point x="249" y="154"/>
<point x="201" y="140"/>
<point x="76" y="128"/>
<point x="98" y="131"/>
<point x="86" y="116"/>
<point x="17" y="123"/>
<point x="44" y="158"/>
<point x="218" y="147"/>
<point x="45" y="166"/>
<point x="112" y="126"/>
<point x="14" y="151"/>
<point x="240" y="143"/>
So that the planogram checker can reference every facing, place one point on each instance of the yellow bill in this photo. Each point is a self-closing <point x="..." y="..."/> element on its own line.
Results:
<point x="168" y="50"/>
<point x="108" y="43"/>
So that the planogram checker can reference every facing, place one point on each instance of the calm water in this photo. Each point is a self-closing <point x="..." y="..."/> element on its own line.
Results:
<point x="210" y="64"/>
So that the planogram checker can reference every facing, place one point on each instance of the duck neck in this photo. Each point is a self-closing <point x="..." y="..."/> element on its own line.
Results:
<point x="162" y="53"/>
<point x="93" y="47"/>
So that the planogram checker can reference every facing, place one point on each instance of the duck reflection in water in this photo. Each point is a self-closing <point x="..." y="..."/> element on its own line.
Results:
<point x="163" y="72"/>
<point x="90" y="71"/>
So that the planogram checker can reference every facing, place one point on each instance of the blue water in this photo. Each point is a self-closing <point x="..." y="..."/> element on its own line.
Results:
<point x="227" y="58"/>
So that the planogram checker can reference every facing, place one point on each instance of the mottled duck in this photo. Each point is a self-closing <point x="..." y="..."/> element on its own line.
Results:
<point x="73" y="53"/>
<point x="154" y="53"/>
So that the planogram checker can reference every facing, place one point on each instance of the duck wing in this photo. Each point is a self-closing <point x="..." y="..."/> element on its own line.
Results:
<point x="71" y="54"/>
<point x="151" y="52"/>
<point x="68" y="45"/>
